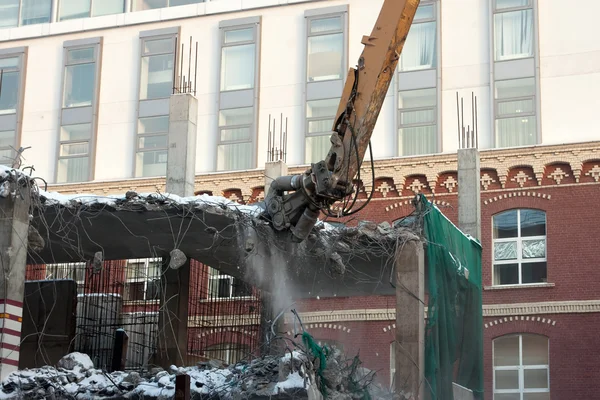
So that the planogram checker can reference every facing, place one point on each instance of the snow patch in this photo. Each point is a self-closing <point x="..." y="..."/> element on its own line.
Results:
<point x="293" y="381"/>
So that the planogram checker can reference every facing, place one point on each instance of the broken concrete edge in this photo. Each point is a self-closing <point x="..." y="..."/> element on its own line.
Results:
<point x="134" y="202"/>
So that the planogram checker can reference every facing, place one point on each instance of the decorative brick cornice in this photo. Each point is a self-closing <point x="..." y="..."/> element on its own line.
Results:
<point x="526" y="166"/>
<point x="529" y="193"/>
<point x="523" y="318"/>
<point x="489" y="310"/>
<point x="211" y="321"/>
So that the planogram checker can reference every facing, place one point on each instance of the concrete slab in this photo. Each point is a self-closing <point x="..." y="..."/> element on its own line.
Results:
<point x="225" y="237"/>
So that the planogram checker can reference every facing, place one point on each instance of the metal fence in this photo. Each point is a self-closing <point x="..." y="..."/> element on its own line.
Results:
<point x="224" y="312"/>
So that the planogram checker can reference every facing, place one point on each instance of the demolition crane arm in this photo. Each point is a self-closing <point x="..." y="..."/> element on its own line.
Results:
<point x="294" y="202"/>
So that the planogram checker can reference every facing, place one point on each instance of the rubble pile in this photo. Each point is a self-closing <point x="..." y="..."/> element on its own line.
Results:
<point x="293" y="376"/>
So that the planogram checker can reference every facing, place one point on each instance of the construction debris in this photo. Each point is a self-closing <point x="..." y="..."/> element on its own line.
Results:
<point x="318" y="373"/>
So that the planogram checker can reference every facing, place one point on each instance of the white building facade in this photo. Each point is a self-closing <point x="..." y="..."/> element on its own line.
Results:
<point x="86" y="84"/>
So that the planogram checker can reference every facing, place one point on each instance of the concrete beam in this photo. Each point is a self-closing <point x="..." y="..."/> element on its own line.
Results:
<point x="469" y="196"/>
<point x="409" y="379"/>
<point x="14" y="228"/>
<point x="181" y="162"/>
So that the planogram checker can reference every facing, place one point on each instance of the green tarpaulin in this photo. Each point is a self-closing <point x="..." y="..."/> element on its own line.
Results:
<point x="454" y="328"/>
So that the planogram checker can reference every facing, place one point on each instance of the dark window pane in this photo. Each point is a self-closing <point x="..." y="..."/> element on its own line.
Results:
<point x="153" y="289"/>
<point x="533" y="223"/>
<point x="505" y="225"/>
<point x="9" y="92"/>
<point x="241" y="289"/>
<point x="534" y="272"/>
<point x="506" y="274"/>
<point x="223" y="288"/>
<point x="134" y="291"/>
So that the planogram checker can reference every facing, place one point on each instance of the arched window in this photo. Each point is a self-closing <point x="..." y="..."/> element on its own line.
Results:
<point x="519" y="247"/>
<point x="521" y="368"/>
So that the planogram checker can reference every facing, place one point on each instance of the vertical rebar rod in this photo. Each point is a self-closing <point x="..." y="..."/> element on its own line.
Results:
<point x="473" y="118"/>
<point x="285" y="140"/>
<point x="458" y="120"/>
<point x="196" y="68"/>
<point x="269" y="141"/>
<point x="190" y="67"/>
<point x="476" y="126"/>
<point x="181" y="68"/>
<point x="175" y="69"/>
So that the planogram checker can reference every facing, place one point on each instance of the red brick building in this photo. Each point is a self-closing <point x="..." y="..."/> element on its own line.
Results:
<point x="540" y="270"/>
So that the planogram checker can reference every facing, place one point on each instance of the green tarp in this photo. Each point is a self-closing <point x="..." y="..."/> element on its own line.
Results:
<point x="454" y="328"/>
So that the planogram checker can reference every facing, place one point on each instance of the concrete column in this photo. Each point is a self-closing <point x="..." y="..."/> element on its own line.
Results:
<point x="410" y="321"/>
<point x="469" y="197"/>
<point x="181" y="162"/>
<point x="14" y="228"/>
<point x="274" y="170"/>
<point x="181" y="173"/>
<point x="173" y="316"/>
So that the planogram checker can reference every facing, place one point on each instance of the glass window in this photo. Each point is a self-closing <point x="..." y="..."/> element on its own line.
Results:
<point x="417" y="116"/>
<point x="80" y="78"/>
<point x="238" y="61"/>
<point x="107" y="7"/>
<point x="140" y="5"/>
<point x="515" y="112"/>
<point x="9" y="92"/>
<point x="521" y="367"/>
<point x="10" y="77"/>
<point x="73" y="162"/>
<point x="320" y="116"/>
<point x="156" y="82"/>
<point x="142" y="279"/>
<point x="174" y="3"/>
<point x="513" y="30"/>
<point x="235" y="151"/>
<point x="236" y="140"/>
<point x="325" y="49"/>
<point x="225" y="286"/>
<point x="519" y="247"/>
<point x="35" y="11"/>
<point x="420" y="50"/>
<point x="73" y="9"/>
<point x="9" y="13"/>
<point x="157" y="69"/>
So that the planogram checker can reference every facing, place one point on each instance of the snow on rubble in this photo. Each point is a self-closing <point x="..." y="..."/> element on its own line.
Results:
<point x="75" y="377"/>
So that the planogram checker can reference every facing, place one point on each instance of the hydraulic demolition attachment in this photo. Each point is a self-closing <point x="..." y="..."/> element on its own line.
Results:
<point x="295" y="202"/>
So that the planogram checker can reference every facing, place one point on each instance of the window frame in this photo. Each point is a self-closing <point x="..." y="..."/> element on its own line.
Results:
<point x="512" y="69"/>
<point x="322" y="89"/>
<point x="342" y="31"/>
<point x="90" y="14"/>
<point x="21" y="54"/>
<point x="405" y="82"/>
<point x="71" y="269"/>
<point x="519" y="260"/>
<point x="53" y="6"/>
<point x="97" y="44"/>
<point x="249" y="95"/>
<point x="133" y="3"/>
<point x="214" y="274"/>
<point x="145" y="278"/>
<point x="436" y="19"/>
<point x="519" y="368"/>
<point x="174" y="33"/>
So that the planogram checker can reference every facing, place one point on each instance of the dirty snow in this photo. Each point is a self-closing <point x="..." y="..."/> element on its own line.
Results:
<point x="56" y="198"/>
<point x="293" y="381"/>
